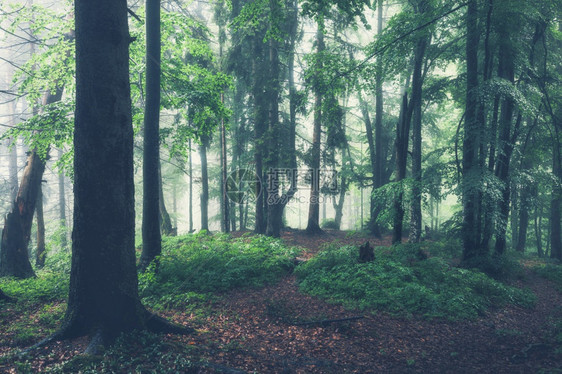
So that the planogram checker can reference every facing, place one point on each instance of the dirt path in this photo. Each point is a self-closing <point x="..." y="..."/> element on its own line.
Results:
<point x="256" y="331"/>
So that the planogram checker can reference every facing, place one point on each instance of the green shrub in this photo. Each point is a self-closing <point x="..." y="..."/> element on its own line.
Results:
<point x="502" y="267"/>
<point x="201" y="263"/>
<point x="329" y="224"/>
<point x="402" y="281"/>
<point x="47" y="286"/>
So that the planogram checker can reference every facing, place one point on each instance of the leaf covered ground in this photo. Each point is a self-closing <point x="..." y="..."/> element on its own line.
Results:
<point x="277" y="328"/>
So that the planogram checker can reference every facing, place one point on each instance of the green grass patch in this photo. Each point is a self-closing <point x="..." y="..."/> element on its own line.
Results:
<point x="403" y="281"/>
<point x="192" y="266"/>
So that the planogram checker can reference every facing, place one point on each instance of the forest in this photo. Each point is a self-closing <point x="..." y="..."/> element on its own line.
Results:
<point x="281" y="186"/>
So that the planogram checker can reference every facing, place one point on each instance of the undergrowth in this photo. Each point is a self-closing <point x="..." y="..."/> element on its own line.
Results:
<point x="403" y="280"/>
<point x="192" y="266"/>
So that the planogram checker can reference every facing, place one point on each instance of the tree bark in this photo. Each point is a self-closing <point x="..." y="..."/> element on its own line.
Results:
<point x="471" y="143"/>
<point x="151" y="236"/>
<point x="41" y="253"/>
<point x="416" y="103"/>
<point x="190" y="170"/>
<point x="13" y="169"/>
<point x="204" y="185"/>
<point x="538" y="231"/>
<point x="506" y="71"/>
<point x="313" y="225"/>
<point x="165" y="221"/>
<point x="62" y="205"/>
<point x="260" y="120"/>
<point x="380" y="156"/>
<point x="556" y="200"/>
<point x="402" y="135"/>
<point x="103" y="298"/>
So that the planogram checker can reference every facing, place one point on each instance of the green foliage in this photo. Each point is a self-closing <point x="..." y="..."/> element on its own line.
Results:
<point x="402" y="280"/>
<point x="201" y="263"/>
<point x="47" y="286"/>
<point x="329" y="224"/>
<point x="502" y="267"/>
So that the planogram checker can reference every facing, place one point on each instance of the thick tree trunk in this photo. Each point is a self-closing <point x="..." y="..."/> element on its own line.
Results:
<point x="41" y="252"/>
<point x="313" y="225"/>
<point x="151" y="236"/>
<point x="103" y="297"/>
<point x="277" y="199"/>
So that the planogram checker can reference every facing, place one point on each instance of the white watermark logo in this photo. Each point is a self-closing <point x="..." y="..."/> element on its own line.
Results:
<point x="244" y="185"/>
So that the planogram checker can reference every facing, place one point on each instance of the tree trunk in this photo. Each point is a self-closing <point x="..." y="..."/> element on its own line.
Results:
<point x="225" y="217"/>
<point x="313" y="226"/>
<point x="13" y="168"/>
<point x="556" y="200"/>
<point x="416" y="102"/>
<point x="338" y="207"/>
<point x="204" y="185"/>
<point x="373" y="226"/>
<point x="14" y="255"/>
<point x="41" y="253"/>
<point x="260" y="120"/>
<point x="277" y="199"/>
<point x="151" y="236"/>
<point x="103" y="297"/>
<point x="62" y="205"/>
<point x="402" y="135"/>
<point x="538" y="230"/>
<point x="471" y="143"/>
<point x="506" y="71"/>
<point x="190" y="169"/>
<point x="165" y="221"/>
<point x="380" y="157"/>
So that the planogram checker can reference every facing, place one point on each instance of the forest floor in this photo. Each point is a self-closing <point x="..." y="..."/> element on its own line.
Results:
<point x="277" y="329"/>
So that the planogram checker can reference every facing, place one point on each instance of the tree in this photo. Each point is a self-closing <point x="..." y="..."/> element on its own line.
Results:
<point x="103" y="298"/>
<point x="470" y="165"/>
<point x="151" y="236"/>
<point x="421" y="8"/>
<point x="313" y="225"/>
<point x="41" y="252"/>
<point x="204" y="198"/>
<point x="62" y="203"/>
